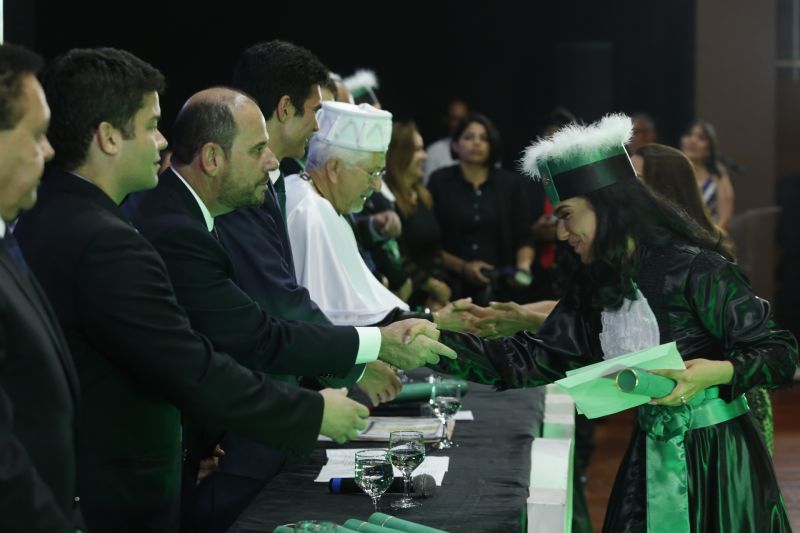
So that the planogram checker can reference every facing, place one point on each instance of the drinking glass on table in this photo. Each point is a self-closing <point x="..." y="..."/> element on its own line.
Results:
<point x="445" y="402"/>
<point x="321" y="526"/>
<point x="407" y="451"/>
<point x="374" y="473"/>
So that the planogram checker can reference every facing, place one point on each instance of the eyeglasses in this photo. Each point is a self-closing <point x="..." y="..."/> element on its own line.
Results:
<point x="373" y="177"/>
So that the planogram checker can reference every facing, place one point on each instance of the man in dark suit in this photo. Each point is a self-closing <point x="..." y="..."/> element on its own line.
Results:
<point x="218" y="165"/>
<point x="140" y="364"/>
<point x="38" y="386"/>
<point x="288" y="82"/>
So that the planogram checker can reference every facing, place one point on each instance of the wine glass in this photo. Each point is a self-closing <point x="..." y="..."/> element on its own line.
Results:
<point x="407" y="451"/>
<point x="374" y="473"/>
<point x="323" y="526"/>
<point x="445" y="402"/>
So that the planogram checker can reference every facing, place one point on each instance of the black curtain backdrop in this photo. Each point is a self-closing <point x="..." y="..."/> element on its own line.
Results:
<point x="514" y="61"/>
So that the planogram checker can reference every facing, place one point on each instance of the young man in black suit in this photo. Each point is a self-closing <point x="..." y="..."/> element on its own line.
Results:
<point x="38" y="385"/>
<point x="220" y="163"/>
<point x="140" y="364"/>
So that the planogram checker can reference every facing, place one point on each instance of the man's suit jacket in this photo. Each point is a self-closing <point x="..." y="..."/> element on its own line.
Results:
<point x="258" y="245"/>
<point x="38" y="398"/>
<point x="206" y="285"/>
<point x="139" y="361"/>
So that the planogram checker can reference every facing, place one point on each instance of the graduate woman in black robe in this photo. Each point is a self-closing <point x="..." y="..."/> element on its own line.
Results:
<point x="641" y="273"/>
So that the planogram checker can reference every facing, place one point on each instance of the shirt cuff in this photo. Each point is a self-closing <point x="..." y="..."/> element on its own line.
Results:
<point x="369" y="344"/>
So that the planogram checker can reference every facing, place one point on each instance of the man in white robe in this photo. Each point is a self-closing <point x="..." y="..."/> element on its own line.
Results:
<point x="345" y="161"/>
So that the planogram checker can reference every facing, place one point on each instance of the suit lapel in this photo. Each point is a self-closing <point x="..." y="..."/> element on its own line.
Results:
<point x="35" y="297"/>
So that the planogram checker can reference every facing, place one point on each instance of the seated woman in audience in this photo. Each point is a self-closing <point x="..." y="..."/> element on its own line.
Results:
<point x="700" y="145"/>
<point x="669" y="172"/>
<point x="482" y="210"/>
<point x="643" y="273"/>
<point x="421" y="240"/>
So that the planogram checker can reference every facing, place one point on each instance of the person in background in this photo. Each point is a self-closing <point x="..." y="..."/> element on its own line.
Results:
<point x="644" y="132"/>
<point x="669" y="173"/>
<point x="439" y="152"/>
<point x="421" y="241"/>
<point x="485" y="217"/>
<point x="701" y="146"/>
<point x="362" y="86"/>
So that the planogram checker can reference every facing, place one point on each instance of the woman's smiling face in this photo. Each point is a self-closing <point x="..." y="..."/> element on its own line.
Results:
<point x="577" y="224"/>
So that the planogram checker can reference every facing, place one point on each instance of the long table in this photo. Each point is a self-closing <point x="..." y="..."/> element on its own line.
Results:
<point x="484" y="491"/>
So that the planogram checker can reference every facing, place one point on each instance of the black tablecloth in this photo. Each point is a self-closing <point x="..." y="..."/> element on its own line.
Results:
<point x="484" y="491"/>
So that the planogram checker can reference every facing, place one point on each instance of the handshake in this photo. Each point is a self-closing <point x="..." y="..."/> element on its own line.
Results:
<point x="500" y="319"/>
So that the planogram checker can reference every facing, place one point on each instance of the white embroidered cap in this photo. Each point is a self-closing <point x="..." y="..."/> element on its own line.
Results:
<point x="356" y="127"/>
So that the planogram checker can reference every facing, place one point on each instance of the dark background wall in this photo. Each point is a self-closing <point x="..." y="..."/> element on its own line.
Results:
<point x="512" y="60"/>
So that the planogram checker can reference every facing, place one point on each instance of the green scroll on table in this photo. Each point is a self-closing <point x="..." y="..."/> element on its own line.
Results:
<point x="388" y="521"/>
<point x="366" y="527"/>
<point x="290" y="529"/>
<point x="378" y="523"/>
<point x="421" y="392"/>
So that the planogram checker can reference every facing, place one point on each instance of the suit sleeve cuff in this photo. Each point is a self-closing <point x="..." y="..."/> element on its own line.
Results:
<point x="369" y="344"/>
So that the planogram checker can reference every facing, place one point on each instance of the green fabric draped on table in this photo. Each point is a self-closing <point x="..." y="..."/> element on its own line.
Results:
<point x="666" y="427"/>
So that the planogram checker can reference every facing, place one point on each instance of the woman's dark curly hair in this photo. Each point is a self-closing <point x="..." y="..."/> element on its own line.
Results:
<point x="626" y="210"/>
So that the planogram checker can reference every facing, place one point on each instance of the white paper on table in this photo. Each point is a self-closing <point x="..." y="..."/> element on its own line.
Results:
<point x="464" y="415"/>
<point x="342" y="463"/>
<point x="594" y="390"/>
<point x="379" y="427"/>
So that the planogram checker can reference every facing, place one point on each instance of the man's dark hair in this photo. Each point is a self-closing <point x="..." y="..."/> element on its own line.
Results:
<point x="270" y="70"/>
<point x="87" y="86"/>
<point x="15" y="62"/>
<point x="202" y="122"/>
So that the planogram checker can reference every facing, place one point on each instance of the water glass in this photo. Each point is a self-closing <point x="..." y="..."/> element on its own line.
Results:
<point x="374" y="473"/>
<point x="407" y="451"/>
<point x="445" y="402"/>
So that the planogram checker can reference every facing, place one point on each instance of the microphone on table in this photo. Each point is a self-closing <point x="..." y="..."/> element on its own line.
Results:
<point x="421" y="486"/>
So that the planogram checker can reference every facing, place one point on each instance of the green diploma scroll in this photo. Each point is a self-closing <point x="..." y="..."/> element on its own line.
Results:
<point x="642" y="382"/>
<point x="421" y="392"/>
<point x="387" y="521"/>
<point x="366" y="527"/>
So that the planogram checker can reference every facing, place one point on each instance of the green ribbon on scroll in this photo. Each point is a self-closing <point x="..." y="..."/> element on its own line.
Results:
<point x="667" y="480"/>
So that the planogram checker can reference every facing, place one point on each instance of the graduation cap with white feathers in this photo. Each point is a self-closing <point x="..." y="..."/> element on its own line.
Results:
<point x="362" y="87"/>
<point x="579" y="158"/>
